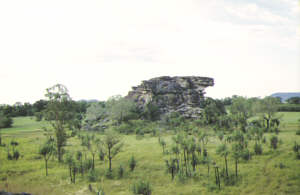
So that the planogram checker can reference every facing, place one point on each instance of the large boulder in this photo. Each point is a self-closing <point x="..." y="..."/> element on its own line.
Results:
<point x="184" y="95"/>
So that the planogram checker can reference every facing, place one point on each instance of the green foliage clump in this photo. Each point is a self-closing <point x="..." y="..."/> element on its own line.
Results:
<point x="245" y="154"/>
<point x="274" y="142"/>
<point x="258" y="149"/>
<point x="109" y="174"/>
<point x="5" y="121"/>
<point x="298" y="132"/>
<point x="92" y="175"/>
<point x="121" y="171"/>
<point x="132" y="163"/>
<point x="142" y="187"/>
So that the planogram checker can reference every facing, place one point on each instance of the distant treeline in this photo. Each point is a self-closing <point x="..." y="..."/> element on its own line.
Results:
<point x="27" y="109"/>
<point x="290" y="105"/>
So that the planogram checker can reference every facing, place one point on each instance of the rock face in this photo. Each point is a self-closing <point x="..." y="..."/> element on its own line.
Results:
<point x="184" y="95"/>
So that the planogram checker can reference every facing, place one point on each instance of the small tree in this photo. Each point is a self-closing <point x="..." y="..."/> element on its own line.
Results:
<point x="171" y="167"/>
<point x="59" y="112"/>
<point x="113" y="144"/>
<point x="222" y="150"/>
<point x="132" y="163"/>
<point x="274" y="142"/>
<point x="46" y="150"/>
<point x="121" y="171"/>
<point x="236" y="153"/>
<point x="163" y="144"/>
<point x="142" y="187"/>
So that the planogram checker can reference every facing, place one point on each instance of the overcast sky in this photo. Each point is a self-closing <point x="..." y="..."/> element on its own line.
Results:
<point x="100" y="48"/>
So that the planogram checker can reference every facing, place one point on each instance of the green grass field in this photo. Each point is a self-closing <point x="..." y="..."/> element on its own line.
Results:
<point x="274" y="172"/>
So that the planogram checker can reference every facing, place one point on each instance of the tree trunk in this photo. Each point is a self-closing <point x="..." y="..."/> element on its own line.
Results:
<point x="236" y="167"/>
<point x="186" y="171"/>
<point x="109" y="157"/>
<point x="208" y="169"/>
<point x="226" y="166"/>
<point x="81" y="167"/>
<point x="74" y="174"/>
<point x="93" y="167"/>
<point x="219" y="183"/>
<point x="46" y="162"/>
<point x="71" y="174"/>
<point x="216" y="175"/>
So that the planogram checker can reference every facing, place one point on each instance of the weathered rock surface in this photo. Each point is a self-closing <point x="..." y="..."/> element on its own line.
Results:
<point x="184" y="95"/>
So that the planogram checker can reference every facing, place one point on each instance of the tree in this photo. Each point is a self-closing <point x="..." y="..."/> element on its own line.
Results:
<point x="113" y="144"/>
<point x="5" y="121"/>
<point x="242" y="109"/>
<point x="236" y="153"/>
<point x="222" y="150"/>
<point x="46" y="150"/>
<point x="59" y="112"/>
<point x="132" y="163"/>
<point x="121" y="109"/>
<point x="212" y="110"/>
<point x="294" y="100"/>
<point x="268" y="107"/>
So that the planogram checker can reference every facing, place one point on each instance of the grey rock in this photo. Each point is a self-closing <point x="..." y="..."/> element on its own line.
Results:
<point x="184" y="95"/>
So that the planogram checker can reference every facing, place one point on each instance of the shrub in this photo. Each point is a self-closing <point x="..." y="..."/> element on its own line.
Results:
<point x="258" y="149"/>
<point x="38" y="116"/>
<point x="16" y="155"/>
<point x="298" y="132"/>
<point x="274" y="142"/>
<point x="109" y="174"/>
<point x="88" y="164"/>
<point x="245" y="154"/>
<point x="142" y="187"/>
<point x="92" y="175"/>
<point x="181" y="176"/>
<point x="5" y="121"/>
<point x="124" y="128"/>
<point x="101" y="154"/>
<point x="132" y="163"/>
<point x="9" y="156"/>
<point x="121" y="171"/>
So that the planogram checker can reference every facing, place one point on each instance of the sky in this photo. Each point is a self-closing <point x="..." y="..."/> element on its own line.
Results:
<point x="101" y="48"/>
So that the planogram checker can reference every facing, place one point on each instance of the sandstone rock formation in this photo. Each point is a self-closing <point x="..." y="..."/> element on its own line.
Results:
<point x="184" y="95"/>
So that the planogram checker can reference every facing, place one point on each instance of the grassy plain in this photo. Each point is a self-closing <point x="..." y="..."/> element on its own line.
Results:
<point x="273" y="172"/>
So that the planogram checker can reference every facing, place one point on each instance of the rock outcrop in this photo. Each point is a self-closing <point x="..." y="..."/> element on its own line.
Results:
<point x="184" y="95"/>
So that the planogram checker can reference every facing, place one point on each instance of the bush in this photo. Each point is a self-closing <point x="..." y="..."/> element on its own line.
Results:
<point x="9" y="156"/>
<point x="298" y="132"/>
<point x="38" y="116"/>
<point x="289" y="108"/>
<point x="5" y="121"/>
<point x="132" y="163"/>
<point x="92" y="176"/>
<point x="16" y="155"/>
<point x="181" y="176"/>
<point x="109" y="174"/>
<point x="142" y="187"/>
<point x="125" y="128"/>
<point x="274" y="142"/>
<point x="258" y="149"/>
<point x="101" y="154"/>
<point x="121" y="171"/>
<point x="88" y="164"/>
<point x="245" y="154"/>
